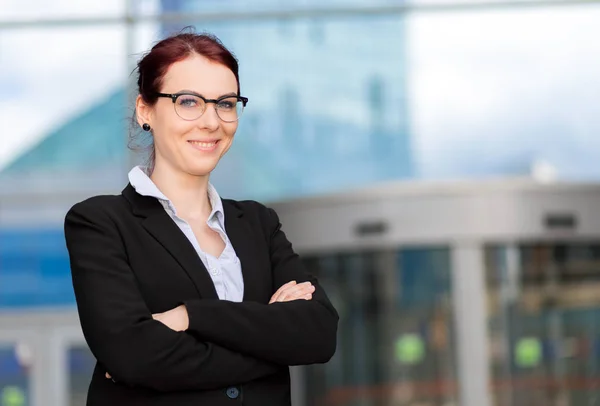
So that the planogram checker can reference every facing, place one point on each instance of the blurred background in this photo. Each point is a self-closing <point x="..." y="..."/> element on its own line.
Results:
<point x="435" y="162"/>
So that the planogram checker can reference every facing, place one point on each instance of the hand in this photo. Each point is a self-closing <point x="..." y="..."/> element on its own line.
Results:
<point x="176" y="319"/>
<point x="293" y="291"/>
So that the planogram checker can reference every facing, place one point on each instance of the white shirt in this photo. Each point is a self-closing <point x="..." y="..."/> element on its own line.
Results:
<point x="226" y="270"/>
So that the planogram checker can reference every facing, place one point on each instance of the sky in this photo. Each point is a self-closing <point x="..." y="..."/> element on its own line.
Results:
<point x="524" y="82"/>
<point x="519" y="80"/>
<point x="49" y="75"/>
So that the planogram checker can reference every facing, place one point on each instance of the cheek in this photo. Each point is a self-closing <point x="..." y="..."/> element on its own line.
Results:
<point x="229" y="129"/>
<point x="174" y="130"/>
<point x="170" y="123"/>
<point x="229" y="132"/>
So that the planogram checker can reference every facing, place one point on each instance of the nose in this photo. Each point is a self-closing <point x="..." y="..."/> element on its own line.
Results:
<point x="209" y="119"/>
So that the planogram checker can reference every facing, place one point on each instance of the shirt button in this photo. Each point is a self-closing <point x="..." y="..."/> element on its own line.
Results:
<point x="233" y="392"/>
<point x="214" y="271"/>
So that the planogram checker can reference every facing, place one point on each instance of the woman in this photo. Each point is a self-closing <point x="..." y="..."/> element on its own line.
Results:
<point x="185" y="298"/>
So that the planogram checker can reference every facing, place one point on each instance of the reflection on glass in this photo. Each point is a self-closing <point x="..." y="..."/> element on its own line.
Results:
<point x="81" y="364"/>
<point x="327" y="115"/>
<point x="544" y="323"/>
<point x="14" y="376"/>
<point x="395" y="332"/>
<point x="67" y="125"/>
<point x="34" y="268"/>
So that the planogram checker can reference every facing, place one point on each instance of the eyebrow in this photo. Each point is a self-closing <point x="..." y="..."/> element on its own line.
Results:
<point x="187" y="91"/>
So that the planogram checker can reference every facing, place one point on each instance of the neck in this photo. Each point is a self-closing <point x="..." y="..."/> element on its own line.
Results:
<point x="188" y="193"/>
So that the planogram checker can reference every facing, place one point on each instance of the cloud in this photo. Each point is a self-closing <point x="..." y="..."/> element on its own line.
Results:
<point x="50" y="75"/>
<point x="501" y="83"/>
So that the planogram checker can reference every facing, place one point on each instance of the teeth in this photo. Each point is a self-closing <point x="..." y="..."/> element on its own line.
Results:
<point x="204" y="144"/>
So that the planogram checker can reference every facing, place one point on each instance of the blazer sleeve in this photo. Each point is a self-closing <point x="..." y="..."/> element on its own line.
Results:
<point x="119" y="328"/>
<point x="299" y="332"/>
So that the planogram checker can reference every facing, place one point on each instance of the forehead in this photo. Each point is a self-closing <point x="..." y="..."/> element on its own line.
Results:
<point x="201" y="75"/>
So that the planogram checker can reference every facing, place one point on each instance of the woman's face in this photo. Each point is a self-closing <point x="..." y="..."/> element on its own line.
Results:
<point x="194" y="147"/>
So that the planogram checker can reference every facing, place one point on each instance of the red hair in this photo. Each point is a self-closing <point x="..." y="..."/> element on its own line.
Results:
<point x="154" y="65"/>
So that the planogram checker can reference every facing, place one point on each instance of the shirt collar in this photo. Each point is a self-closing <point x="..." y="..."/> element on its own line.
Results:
<point x="143" y="185"/>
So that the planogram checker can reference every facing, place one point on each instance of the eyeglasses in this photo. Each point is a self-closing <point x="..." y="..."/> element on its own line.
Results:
<point x="190" y="106"/>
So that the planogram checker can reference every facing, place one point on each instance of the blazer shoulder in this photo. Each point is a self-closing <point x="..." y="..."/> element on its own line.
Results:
<point x="246" y="206"/>
<point x="254" y="210"/>
<point x="251" y="208"/>
<point x="98" y="203"/>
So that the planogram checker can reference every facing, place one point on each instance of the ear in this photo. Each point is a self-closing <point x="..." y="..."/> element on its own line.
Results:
<point x="143" y="111"/>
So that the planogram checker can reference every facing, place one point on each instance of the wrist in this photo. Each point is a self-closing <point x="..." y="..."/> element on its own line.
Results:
<point x="185" y="318"/>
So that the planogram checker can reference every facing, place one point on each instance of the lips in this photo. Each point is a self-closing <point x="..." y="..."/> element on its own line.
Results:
<point x="206" y="145"/>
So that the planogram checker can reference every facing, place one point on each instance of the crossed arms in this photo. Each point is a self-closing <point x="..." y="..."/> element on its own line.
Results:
<point x="223" y="343"/>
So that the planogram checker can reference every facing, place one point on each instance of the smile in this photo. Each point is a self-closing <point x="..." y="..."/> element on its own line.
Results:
<point x="204" y="146"/>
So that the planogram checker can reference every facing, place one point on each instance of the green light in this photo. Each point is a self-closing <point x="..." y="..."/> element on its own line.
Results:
<point x="528" y="352"/>
<point x="410" y="349"/>
<point x="12" y="396"/>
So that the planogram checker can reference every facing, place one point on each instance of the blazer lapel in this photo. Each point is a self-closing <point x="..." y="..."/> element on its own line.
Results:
<point x="240" y="235"/>
<point x="158" y="223"/>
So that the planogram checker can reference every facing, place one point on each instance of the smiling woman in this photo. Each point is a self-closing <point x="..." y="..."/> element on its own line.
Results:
<point x="186" y="298"/>
<point x="170" y="71"/>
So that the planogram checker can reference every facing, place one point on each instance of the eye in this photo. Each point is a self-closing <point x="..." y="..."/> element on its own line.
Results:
<point x="188" y="101"/>
<point x="227" y="104"/>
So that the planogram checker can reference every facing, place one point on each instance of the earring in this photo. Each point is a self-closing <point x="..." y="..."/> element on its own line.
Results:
<point x="146" y="127"/>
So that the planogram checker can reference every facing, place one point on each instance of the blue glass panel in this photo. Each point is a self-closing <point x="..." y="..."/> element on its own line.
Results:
<point x="34" y="268"/>
<point x="14" y="379"/>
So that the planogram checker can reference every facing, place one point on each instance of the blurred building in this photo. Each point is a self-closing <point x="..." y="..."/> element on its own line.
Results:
<point x="337" y="102"/>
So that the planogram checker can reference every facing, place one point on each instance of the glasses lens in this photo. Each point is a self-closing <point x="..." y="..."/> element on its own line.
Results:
<point x="189" y="107"/>
<point x="230" y="109"/>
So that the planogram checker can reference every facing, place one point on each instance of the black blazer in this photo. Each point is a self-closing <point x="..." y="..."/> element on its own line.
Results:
<point x="130" y="260"/>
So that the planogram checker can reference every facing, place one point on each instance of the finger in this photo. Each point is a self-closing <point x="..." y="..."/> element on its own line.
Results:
<point x="297" y="288"/>
<point x="289" y="294"/>
<point x="108" y="376"/>
<point x="296" y="292"/>
<point x="280" y="290"/>
<point x="308" y="297"/>
<point x="284" y="286"/>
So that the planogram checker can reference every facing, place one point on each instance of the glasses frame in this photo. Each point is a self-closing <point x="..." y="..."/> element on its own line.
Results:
<point x="175" y="96"/>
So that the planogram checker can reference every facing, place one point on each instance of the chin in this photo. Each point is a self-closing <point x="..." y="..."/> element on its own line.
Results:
<point x="199" y="169"/>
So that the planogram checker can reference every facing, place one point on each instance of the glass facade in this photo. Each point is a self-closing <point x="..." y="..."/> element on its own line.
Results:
<point x="14" y="377"/>
<point x="34" y="269"/>
<point x="543" y="322"/>
<point x="395" y="336"/>
<point x="81" y="364"/>
<point x="336" y="101"/>
<point x="320" y="130"/>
